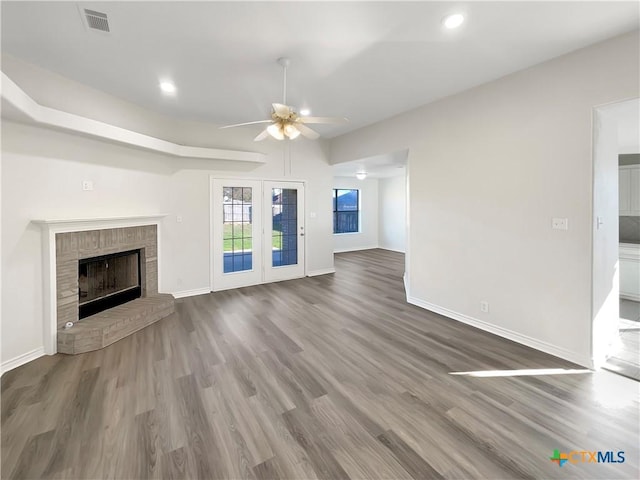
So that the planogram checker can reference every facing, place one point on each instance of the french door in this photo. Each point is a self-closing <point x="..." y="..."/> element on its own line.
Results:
<point x="283" y="231"/>
<point x="257" y="232"/>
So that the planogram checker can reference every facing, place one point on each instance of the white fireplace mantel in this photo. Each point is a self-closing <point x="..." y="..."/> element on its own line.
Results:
<point x="50" y="227"/>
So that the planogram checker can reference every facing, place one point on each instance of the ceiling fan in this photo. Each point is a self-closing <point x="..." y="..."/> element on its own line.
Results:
<point x="285" y="121"/>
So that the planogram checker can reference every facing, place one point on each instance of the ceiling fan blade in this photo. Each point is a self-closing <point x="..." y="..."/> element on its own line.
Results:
<point x="282" y="111"/>
<point x="246" y="123"/>
<point x="306" y="131"/>
<point x="262" y="135"/>
<point x="323" y="120"/>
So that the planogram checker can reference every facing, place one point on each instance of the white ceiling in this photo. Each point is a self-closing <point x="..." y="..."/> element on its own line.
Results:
<point x="364" y="60"/>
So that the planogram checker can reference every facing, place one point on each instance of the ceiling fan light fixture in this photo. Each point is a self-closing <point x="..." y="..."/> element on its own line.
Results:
<point x="291" y="131"/>
<point x="284" y="121"/>
<point x="361" y="175"/>
<point x="275" y="130"/>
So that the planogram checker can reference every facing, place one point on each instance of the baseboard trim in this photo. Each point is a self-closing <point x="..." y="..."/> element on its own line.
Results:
<point x="405" y="280"/>
<point x="391" y="249"/>
<point x="191" y="293"/>
<point x="355" y="249"/>
<point x="505" y="333"/>
<point x="324" y="271"/>
<point x="630" y="296"/>
<point x="21" y="360"/>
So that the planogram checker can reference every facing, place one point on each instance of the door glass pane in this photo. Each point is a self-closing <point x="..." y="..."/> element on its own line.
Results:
<point x="237" y="228"/>
<point x="284" y="241"/>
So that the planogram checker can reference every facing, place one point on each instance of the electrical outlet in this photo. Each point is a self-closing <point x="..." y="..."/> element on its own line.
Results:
<point x="87" y="185"/>
<point x="560" y="223"/>
<point x="484" y="307"/>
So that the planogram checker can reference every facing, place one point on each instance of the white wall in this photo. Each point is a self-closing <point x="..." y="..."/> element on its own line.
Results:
<point x="489" y="169"/>
<point x="42" y="174"/>
<point x="392" y="226"/>
<point x="367" y="237"/>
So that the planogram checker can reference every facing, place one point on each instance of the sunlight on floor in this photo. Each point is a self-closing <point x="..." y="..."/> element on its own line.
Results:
<point x="522" y="372"/>
<point x="614" y="391"/>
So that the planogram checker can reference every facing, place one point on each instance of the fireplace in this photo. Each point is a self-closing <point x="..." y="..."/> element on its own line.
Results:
<point x="103" y="282"/>
<point x="107" y="281"/>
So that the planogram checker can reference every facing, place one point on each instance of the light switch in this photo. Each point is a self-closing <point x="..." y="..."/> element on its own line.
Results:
<point x="560" y="224"/>
<point x="312" y="215"/>
<point x="179" y="218"/>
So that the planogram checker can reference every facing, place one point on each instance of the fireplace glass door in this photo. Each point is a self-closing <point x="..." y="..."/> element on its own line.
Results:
<point x="107" y="281"/>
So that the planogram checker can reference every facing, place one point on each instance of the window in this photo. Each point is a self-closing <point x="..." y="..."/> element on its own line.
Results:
<point x="237" y="229"/>
<point x="345" y="210"/>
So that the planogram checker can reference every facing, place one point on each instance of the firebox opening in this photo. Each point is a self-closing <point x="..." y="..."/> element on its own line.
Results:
<point x="107" y="281"/>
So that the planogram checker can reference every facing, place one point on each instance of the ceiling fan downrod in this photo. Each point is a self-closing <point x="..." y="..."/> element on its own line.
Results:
<point x="284" y="62"/>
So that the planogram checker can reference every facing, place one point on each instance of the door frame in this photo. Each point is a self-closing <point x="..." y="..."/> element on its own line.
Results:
<point x="213" y="177"/>
<point x="604" y="238"/>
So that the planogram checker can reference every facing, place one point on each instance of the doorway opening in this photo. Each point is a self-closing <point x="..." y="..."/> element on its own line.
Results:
<point x="373" y="193"/>
<point x="616" y="240"/>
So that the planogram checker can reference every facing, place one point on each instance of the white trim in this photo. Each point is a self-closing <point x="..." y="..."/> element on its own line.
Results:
<point x="355" y="249"/>
<point x="405" y="280"/>
<point x="21" y="360"/>
<point x="49" y="230"/>
<point x="324" y="271"/>
<point x="84" y="224"/>
<point x="505" y="333"/>
<point x="211" y="232"/>
<point x="630" y="296"/>
<point x="50" y="117"/>
<point x="192" y="293"/>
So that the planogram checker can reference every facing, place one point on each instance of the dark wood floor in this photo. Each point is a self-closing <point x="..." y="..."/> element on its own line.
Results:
<point x="325" y="377"/>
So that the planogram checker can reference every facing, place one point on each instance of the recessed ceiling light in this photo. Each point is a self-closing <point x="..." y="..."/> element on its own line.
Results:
<point x="304" y="112"/>
<point x="167" y="87"/>
<point x="453" y="21"/>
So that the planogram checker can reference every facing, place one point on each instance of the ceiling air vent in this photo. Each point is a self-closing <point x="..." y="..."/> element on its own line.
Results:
<point x="96" y="20"/>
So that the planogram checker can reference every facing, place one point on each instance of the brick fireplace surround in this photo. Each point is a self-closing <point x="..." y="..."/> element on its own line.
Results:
<point x="67" y="242"/>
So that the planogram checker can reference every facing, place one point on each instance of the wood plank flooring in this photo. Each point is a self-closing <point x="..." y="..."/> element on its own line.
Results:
<point x="326" y="377"/>
<point x="625" y="359"/>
